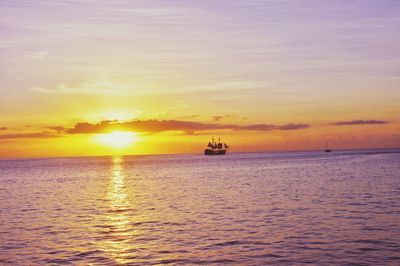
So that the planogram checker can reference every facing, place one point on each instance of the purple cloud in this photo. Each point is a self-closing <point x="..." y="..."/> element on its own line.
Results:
<point x="148" y="126"/>
<point x="154" y="126"/>
<point x="292" y="126"/>
<point x="217" y="118"/>
<point x="58" y="129"/>
<point x="360" y="122"/>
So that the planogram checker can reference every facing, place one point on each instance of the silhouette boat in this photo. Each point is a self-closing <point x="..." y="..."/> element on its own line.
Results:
<point x="327" y="147"/>
<point x="214" y="148"/>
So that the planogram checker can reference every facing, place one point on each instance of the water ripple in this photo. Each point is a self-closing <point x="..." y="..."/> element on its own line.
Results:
<point x="242" y="209"/>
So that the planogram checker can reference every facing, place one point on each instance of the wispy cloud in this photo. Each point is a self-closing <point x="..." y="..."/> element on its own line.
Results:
<point x="3" y="128"/>
<point x="263" y="127"/>
<point x="38" y="55"/>
<point x="155" y="126"/>
<point x="360" y="122"/>
<point x="187" y="117"/>
<point x="36" y="135"/>
<point x="96" y="86"/>
<point x="217" y="118"/>
<point x="58" y="129"/>
<point x="293" y="126"/>
<point x="147" y="126"/>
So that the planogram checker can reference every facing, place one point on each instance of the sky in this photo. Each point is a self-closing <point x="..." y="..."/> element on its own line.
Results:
<point x="262" y="75"/>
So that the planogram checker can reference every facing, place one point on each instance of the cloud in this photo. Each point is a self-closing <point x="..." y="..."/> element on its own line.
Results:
<point x="152" y="126"/>
<point x="187" y="117"/>
<point x="156" y="126"/>
<point x="85" y="127"/>
<point x="217" y="118"/>
<point x="292" y="126"/>
<point x="260" y="127"/>
<point x="38" y="55"/>
<point x="58" y="129"/>
<point x="3" y="128"/>
<point x="147" y="126"/>
<point x="100" y="86"/>
<point x="36" y="135"/>
<point x="360" y="122"/>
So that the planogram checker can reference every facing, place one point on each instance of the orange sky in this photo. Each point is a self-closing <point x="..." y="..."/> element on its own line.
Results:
<point x="261" y="75"/>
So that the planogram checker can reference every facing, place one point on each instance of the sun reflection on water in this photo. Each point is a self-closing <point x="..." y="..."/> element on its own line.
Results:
<point x="119" y="232"/>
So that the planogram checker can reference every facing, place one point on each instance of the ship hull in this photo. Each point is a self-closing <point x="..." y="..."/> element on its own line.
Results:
<point x="214" y="152"/>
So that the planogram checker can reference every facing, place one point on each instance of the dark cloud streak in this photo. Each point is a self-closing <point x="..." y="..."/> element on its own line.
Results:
<point x="149" y="127"/>
<point x="155" y="126"/>
<point x="360" y="122"/>
<point x="36" y="135"/>
<point x="58" y="129"/>
<point x="217" y="118"/>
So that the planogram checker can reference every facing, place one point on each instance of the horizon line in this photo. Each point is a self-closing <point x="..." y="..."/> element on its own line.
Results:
<point x="168" y="154"/>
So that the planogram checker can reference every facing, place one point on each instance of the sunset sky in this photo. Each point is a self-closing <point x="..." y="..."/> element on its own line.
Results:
<point x="169" y="75"/>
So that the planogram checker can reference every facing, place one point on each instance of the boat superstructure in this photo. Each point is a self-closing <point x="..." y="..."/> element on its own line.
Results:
<point x="214" y="148"/>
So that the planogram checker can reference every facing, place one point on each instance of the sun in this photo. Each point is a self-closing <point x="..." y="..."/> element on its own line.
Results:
<point x="117" y="139"/>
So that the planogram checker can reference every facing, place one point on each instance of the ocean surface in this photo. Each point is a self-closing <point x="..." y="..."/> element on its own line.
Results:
<point x="339" y="208"/>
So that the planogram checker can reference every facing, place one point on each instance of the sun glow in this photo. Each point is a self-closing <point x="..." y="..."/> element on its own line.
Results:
<point x="117" y="139"/>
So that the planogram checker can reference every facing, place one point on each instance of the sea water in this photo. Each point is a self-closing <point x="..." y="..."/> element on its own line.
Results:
<point x="244" y="209"/>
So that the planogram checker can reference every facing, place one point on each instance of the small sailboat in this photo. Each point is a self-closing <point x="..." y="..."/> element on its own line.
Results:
<point x="214" y="148"/>
<point x="327" y="147"/>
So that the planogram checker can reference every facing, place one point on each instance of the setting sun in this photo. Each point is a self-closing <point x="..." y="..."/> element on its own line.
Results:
<point x="117" y="139"/>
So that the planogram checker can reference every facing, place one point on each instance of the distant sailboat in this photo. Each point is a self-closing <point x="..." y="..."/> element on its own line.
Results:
<point x="214" y="148"/>
<point x="327" y="147"/>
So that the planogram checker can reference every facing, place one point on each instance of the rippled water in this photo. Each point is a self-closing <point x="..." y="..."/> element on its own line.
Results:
<point x="244" y="209"/>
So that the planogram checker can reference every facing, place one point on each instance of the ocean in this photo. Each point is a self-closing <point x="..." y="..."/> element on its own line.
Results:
<point x="339" y="208"/>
